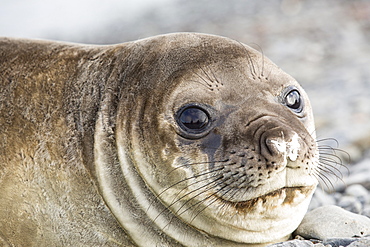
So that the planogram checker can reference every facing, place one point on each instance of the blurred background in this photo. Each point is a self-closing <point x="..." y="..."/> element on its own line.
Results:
<point x="324" y="44"/>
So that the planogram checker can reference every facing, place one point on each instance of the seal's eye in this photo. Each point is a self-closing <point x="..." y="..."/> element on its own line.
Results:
<point x="293" y="100"/>
<point x="193" y="118"/>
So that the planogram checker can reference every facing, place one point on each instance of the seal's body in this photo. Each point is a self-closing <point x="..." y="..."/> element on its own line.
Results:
<point x="176" y="140"/>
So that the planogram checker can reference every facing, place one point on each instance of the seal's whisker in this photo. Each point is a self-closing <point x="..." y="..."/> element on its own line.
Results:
<point x="329" y="163"/>
<point x="208" y="85"/>
<point x="184" y="180"/>
<point x="252" y="68"/>
<point x="212" y="201"/>
<point x="223" y="209"/>
<point x="209" y="162"/>
<point x="189" y="178"/>
<point x="330" y="169"/>
<point x="324" y="178"/>
<point x="245" y="191"/>
<point x="213" y="194"/>
<point x="212" y="182"/>
<point x="333" y="149"/>
<point x="210" y="185"/>
<point x="318" y="178"/>
<point x="215" y="77"/>
<point x="177" y="198"/>
<point x="250" y="62"/>
<point x="210" y="78"/>
<point x="207" y="75"/>
<point x="324" y="168"/>
<point x="231" y="196"/>
<point x="332" y="162"/>
<point x="208" y="82"/>
<point x="196" y="182"/>
<point x="327" y="150"/>
<point x="308" y="136"/>
<point x="268" y="75"/>
<point x="197" y="163"/>
<point x="262" y="58"/>
<point x="328" y="139"/>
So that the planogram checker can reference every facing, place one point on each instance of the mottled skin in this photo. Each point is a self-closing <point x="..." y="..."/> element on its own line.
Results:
<point x="92" y="153"/>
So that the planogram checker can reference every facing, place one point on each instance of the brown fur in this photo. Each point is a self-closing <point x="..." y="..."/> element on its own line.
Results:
<point x="49" y="96"/>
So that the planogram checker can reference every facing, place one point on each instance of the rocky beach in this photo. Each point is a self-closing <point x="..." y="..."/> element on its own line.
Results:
<point x="325" y="45"/>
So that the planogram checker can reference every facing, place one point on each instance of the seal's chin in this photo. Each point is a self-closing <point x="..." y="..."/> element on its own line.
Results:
<point x="261" y="219"/>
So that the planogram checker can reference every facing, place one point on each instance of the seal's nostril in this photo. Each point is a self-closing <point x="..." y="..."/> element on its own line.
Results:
<point x="276" y="145"/>
<point x="279" y="148"/>
<point x="273" y="149"/>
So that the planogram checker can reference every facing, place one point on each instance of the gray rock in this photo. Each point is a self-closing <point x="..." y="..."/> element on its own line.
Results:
<point x="358" y="191"/>
<point x="366" y="211"/>
<point x="359" y="175"/>
<point x="350" y="203"/>
<point x="295" y="243"/>
<point x="332" y="242"/>
<point x="333" y="222"/>
<point x="340" y="241"/>
<point x="363" y="242"/>
<point x="321" y="198"/>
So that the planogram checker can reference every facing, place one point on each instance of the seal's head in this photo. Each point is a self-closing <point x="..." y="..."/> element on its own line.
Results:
<point x="214" y="141"/>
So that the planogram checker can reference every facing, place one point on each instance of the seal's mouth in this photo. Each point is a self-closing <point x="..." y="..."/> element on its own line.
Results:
<point x="285" y="195"/>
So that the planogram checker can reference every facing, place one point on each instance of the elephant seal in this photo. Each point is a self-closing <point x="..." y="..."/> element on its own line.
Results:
<point x="176" y="140"/>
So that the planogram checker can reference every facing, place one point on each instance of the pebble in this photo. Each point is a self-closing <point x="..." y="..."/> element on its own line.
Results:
<point x="340" y="241"/>
<point x="364" y="242"/>
<point x="333" y="242"/>
<point x="350" y="203"/>
<point x="333" y="222"/>
<point x="352" y="195"/>
<point x="333" y="226"/>
<point x="359" y="192"/>
<point x="296" y="243"/>
<point x="321" y="198"/>
<point x="359" y="174"/>
<point x="366" y="211"/>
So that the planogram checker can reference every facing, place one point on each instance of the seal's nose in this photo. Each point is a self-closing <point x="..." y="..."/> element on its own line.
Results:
<point x="278" y="148"/>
